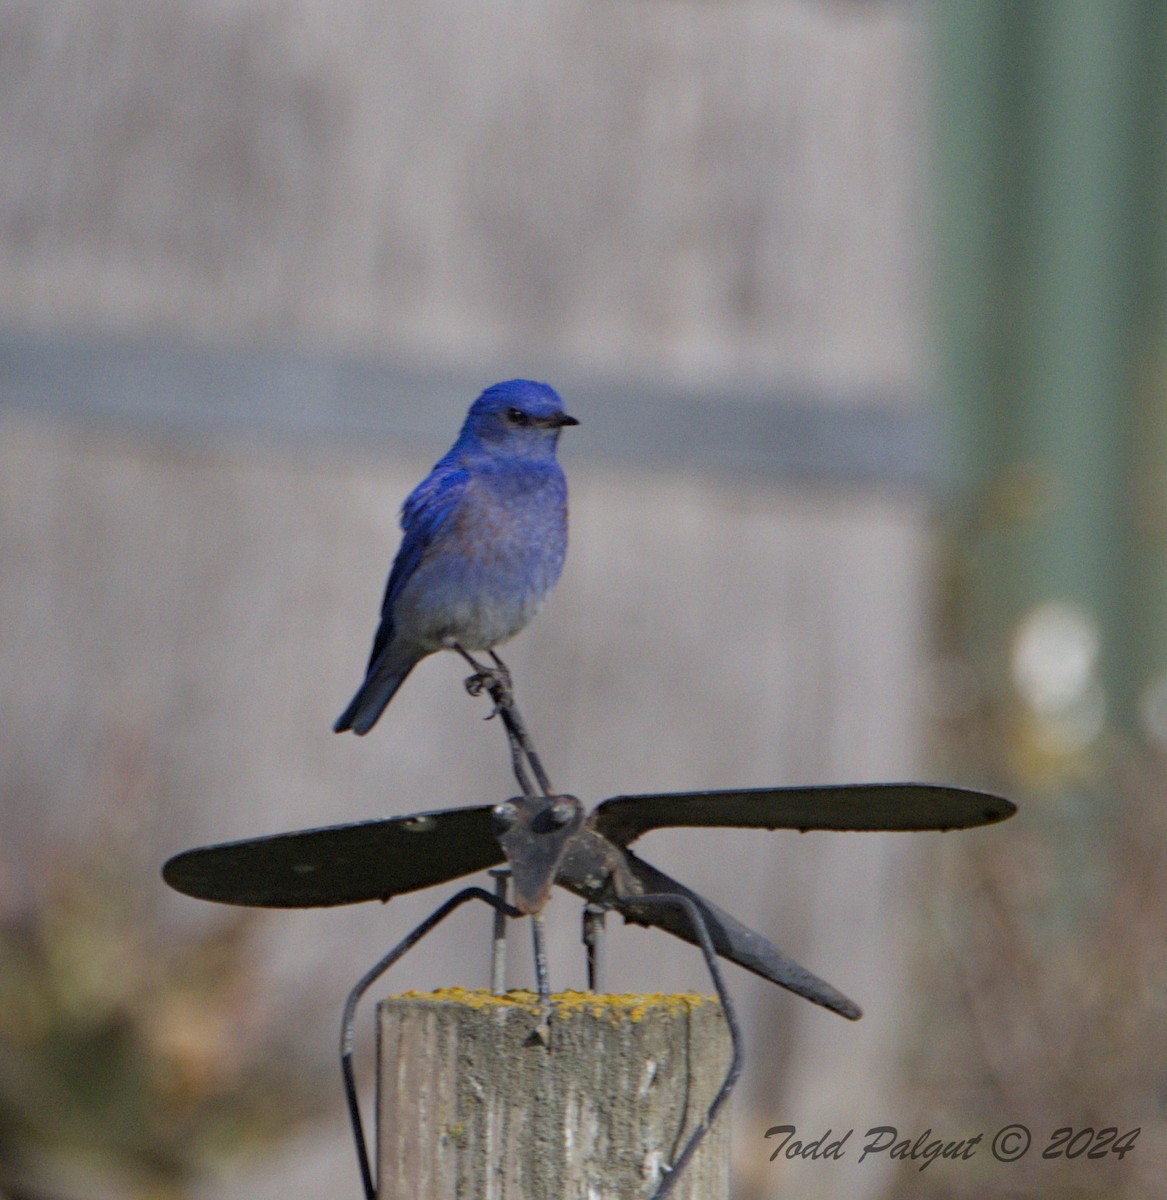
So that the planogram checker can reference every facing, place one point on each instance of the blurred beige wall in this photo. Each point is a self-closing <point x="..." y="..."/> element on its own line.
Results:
<point x="677" y="191"/>
<point x="674" y="187"/>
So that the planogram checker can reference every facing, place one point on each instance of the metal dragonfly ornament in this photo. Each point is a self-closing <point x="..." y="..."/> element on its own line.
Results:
<point x="547" y="838"/>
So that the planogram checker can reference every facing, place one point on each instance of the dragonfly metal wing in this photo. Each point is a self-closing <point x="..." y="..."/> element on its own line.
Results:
<point x="340" y="864"/>
<point x="863" y="807"/>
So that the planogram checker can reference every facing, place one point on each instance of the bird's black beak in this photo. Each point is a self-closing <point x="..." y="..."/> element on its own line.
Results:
<point x="558" y="421"/>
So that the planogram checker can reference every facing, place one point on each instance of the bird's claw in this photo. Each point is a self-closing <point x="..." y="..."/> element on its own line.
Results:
<point x="496" y="684"/>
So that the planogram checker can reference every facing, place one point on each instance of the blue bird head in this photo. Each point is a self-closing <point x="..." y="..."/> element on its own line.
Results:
<point x="519" y="418"/>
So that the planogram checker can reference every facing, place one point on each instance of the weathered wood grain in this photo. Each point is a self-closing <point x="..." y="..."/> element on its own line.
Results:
<point x="473" y="1106"/>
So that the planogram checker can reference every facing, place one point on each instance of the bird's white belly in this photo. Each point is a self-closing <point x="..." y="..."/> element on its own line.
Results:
<point x="474" y="603"/>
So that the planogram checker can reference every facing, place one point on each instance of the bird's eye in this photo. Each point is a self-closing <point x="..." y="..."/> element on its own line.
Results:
<point x="516" y="416"/>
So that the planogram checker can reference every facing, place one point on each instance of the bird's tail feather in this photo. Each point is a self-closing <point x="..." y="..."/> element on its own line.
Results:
<point x="371" y="699"/>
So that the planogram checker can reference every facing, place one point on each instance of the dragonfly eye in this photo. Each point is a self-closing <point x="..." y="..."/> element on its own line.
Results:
<point x="504" y="817"/>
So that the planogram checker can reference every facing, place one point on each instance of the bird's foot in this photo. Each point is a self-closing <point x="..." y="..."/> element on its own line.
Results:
<point x="494" y="681"/>
<point x="503" y="669"/>
<point x="496" y="684"/>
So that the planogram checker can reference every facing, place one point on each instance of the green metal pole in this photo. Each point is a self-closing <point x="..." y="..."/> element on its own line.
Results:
<point x="1147" y="645"/>
<point x="1038" y="234"/>
<point x="1075" y="390"/>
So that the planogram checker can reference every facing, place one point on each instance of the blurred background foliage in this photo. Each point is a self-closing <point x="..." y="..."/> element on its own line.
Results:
<point x="1050" y="272"/>
<point x="133" y="1054"/>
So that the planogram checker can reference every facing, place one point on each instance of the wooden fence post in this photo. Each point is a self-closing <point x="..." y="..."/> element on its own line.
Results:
<point x="473" y="1105"/>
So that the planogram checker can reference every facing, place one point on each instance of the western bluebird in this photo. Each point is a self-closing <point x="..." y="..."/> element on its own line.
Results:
<point x="485" y="534"/>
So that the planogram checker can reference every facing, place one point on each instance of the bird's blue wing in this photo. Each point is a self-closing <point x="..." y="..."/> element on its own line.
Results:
<point x="425" y="510"/>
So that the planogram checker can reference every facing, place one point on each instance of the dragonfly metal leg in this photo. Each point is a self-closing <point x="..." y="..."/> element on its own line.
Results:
<point x="348" y="1021"/>
<point x="594" y="925"/>
<point x="542" y="979"/>
<point x="737" y="1058"/>
<point x="498" y="942"/>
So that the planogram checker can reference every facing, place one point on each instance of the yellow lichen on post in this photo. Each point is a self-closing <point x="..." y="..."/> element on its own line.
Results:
<point x="616" y="1006"/>
<point x="475" y="1103"/>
